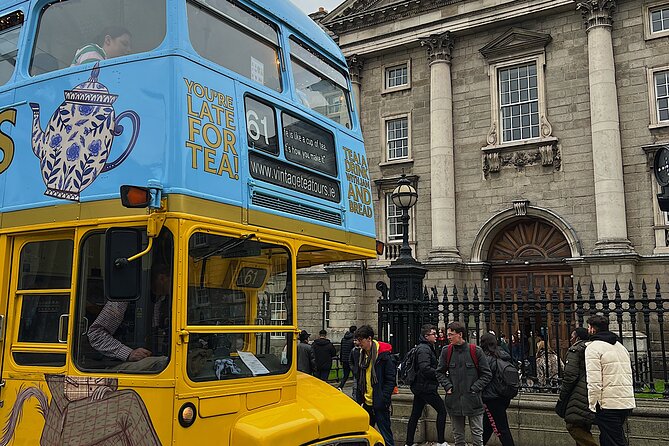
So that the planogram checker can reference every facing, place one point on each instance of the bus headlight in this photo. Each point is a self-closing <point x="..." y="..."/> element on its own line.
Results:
<point x="187" y="415"/>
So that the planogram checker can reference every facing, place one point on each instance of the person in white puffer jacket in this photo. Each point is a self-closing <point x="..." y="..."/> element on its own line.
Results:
<point x="610" y="384"/>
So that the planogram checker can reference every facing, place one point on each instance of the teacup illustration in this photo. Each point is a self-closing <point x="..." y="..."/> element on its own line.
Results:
<point x="75" y="147"/>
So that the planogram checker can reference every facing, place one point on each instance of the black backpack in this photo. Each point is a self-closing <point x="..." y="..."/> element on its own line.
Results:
<point x="507" y="381"/>
<point x="406" y="371"/>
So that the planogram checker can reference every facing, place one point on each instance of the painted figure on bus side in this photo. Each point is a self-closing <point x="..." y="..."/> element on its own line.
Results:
<point x="113" y="42"/>
<point x="77" y="142"/>
<point x="120" y="416"/>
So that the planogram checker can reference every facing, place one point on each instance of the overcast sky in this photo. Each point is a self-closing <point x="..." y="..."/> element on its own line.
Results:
<point x="310" y="6"/>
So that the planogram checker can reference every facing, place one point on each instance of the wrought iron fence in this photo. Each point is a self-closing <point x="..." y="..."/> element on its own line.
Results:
<point x="526" y="316"/>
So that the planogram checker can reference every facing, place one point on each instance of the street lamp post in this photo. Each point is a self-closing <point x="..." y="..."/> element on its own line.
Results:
<point x="401" y="313"/>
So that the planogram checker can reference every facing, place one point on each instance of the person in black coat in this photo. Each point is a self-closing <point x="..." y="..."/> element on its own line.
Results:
<point x="345" y="353"/>
<point x="376" y="377"/>
<point x="574" y="391"/>
<point x="495" y="404"/>
<point x="425" y="386"/>
<point x="324" y="352"/>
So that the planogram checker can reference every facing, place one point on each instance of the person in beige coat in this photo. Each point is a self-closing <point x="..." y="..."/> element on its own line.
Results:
<point x="610" y="384"/>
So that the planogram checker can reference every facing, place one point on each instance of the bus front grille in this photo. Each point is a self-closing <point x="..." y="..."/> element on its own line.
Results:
<point x="299" y="209"/>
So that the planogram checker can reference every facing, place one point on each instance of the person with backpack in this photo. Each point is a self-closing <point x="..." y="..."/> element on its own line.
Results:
<point x="573" y="401"/>
<point x="497" y="394"/>
<point x="424" y="384"/>
<point x="463" y="372"/>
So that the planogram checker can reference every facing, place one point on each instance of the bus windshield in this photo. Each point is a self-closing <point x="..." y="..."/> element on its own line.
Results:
<point x="237" y="282"/>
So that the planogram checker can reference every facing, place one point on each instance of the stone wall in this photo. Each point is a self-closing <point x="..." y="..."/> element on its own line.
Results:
<point x="534" y="423"/>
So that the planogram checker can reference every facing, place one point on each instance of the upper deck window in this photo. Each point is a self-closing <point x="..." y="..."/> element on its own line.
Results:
<point x="77" y="33"/>
<point x="10" y="26"/>
<point x="225" y="34"/>
<point x="319" y="85"/>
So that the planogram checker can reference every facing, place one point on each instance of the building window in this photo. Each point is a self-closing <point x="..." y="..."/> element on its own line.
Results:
<point x="658" y="94"/>
<point x="519" y="102"/>
<point x="393" y="220"/>
<point x="326" y="309"/>
<point x="396" y="77"/>
<point x="661" y="81"/>
<point x="659" y="20"/>
<point x="397" y="138"/>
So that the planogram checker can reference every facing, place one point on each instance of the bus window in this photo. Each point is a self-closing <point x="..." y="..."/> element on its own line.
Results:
<point x="10" y="26"/>
<point x="77" y="33"/>
<point x="44" y="283"/>
<point x="237" y="282"/>
<point x="235" y="39"/>
<point x="126" y="337"/>
<point x="318" y="85"/>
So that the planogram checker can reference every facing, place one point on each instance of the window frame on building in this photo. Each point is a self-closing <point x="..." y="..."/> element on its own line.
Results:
<point x="539" y="60"/>
<point x="385" y="140"/>
<point x="648" y="10"/>
<point x="386" y="201"/>
<point x="403" y="86"/>
<point x="653" y="109"/>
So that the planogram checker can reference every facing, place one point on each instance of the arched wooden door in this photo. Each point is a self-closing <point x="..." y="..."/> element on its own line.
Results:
<point x="526" y="257"/>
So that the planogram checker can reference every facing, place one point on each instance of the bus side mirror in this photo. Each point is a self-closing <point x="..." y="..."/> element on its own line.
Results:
<point x="122" y="277"/>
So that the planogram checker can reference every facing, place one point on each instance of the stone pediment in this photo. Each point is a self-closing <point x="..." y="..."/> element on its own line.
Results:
<point x="354" y="14"/>
<point x="514" y="42"/>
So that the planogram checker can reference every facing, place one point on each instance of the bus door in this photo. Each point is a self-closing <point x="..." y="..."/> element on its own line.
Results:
<point x="37" y="317"/>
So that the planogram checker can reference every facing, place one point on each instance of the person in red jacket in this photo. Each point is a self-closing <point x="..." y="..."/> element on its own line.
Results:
<point x="376" y="377"/>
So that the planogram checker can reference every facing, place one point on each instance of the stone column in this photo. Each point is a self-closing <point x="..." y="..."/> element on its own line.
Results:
<point x="606" y="146"/>
<point x="442" y="174"/>
<point x="355" y="69"/>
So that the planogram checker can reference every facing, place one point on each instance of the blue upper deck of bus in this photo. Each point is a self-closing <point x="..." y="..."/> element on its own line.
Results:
<point x="241" y="103"/>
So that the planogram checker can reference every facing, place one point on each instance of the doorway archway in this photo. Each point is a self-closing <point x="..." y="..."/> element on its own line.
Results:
<point x="527" y="275"/>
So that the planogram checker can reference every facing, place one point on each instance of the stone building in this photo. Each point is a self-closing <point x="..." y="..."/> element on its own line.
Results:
<point x="528" y="129"/>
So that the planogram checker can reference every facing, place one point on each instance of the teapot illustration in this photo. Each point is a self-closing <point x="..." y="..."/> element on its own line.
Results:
<point x="75" y="147"/>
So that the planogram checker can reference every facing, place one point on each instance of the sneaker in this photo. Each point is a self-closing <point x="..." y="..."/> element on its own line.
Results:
<point x="441" y="444"/>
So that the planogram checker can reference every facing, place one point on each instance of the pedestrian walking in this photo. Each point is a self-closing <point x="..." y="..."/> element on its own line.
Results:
<point x="496" y="404"/>
<point x="306" y="361"/>
<point x="353" y="359"/>
<point x="573" y="400"/>
<point x="345" y="354"/>
<point x="425" y="385"/>
<point x="324" y="352"/>
<point x="376" y="379"/>
<point x="609" y="379"/>
<point x="463" y="371"/>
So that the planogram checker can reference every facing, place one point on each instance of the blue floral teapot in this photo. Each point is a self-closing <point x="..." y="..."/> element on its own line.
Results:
<point x="75" y="148"/>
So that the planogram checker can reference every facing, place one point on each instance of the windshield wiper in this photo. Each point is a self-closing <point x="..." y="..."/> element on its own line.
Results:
<point x="223" y="247"/>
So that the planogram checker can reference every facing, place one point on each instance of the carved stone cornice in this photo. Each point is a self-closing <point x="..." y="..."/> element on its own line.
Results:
<point x="513" y="42"/>
<point x="544" y="152"/>
<point x="596" y="12"/>
<point x="439" y="47"/>
<point x="355" y="64"/>
<point x="365" y="13"/>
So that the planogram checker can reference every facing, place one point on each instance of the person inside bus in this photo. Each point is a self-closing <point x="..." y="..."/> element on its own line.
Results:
<point x="114" y="41"/>
<point x="101" y="334"/>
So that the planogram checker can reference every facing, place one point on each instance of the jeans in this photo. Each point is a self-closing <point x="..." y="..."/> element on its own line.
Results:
<point x="581" y="434"/>
<point x="475" y="425"/>
<point x="611" y="422"/>
<point x="497" y="409"/>
<point x="346" y="367"/>
<point x="420" y="399"/>
<point x="323" y="374"/>
<point x="381" y="419"/>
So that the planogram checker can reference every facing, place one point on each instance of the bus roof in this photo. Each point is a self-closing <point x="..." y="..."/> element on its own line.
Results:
<point x="286" y="11"/>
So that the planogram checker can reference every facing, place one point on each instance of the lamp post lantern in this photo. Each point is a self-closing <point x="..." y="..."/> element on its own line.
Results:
<point x="405" y="196"/>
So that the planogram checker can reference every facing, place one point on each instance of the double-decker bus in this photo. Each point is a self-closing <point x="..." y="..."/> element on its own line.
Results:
<point x="166" y="167"/>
